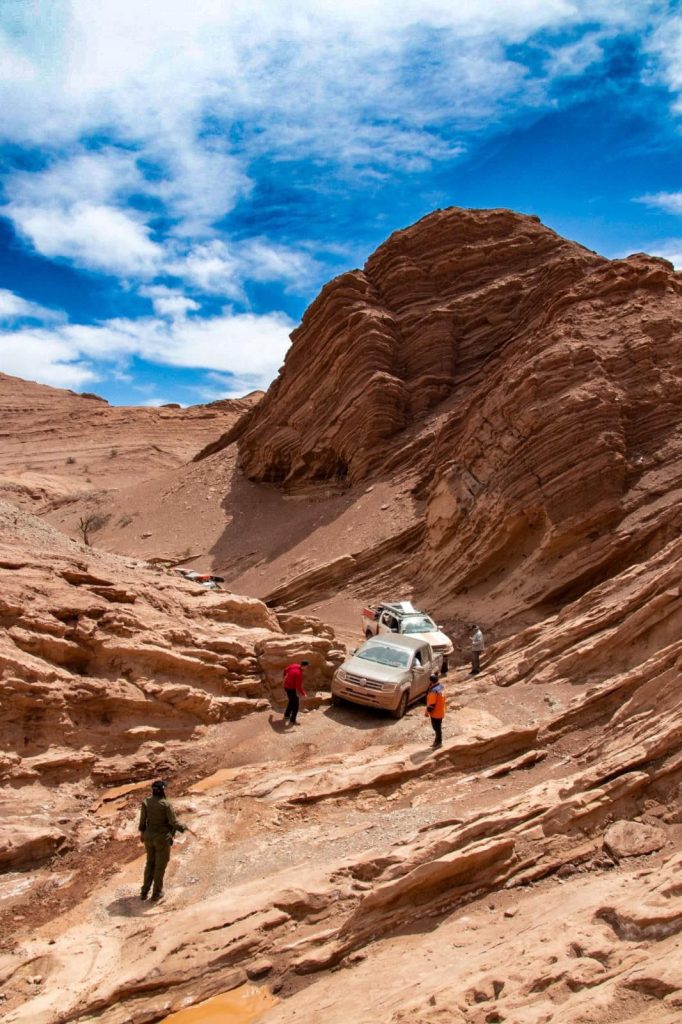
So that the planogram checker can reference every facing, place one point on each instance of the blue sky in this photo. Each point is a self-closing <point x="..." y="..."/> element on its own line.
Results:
<point x="179" y="179"/>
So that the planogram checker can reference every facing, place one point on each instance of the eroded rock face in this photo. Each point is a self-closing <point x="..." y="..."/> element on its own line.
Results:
<point x="633" y="838"/>
<point x="100" y="659"/>
<point x="531" y="388"/>
<point x="58" y="445"/>
<point x="381" y="347"/>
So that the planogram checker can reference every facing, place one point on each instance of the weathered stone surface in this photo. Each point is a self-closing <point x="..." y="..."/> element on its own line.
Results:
<point x="632" y="838"/>
<point x="22" y="844"/>
<point x="513" y="373"/>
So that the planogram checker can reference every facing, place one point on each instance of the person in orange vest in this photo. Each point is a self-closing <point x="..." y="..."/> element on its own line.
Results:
<point x="292" y="681"/>
<point x="435" y="707"/>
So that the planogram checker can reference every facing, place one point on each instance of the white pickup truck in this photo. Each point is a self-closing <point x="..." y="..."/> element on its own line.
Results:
<point x="401" y="617"/>
<point x="386" y="672"/>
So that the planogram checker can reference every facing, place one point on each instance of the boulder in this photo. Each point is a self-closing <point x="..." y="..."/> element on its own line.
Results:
<point x="632" y="839"/>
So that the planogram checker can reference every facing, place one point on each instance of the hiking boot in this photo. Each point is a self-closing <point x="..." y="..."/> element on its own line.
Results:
<point x="144" y="893"/>
<point x="157" y="897"/>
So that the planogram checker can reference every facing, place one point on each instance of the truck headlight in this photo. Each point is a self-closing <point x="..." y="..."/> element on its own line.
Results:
<point x="341" y="675"/>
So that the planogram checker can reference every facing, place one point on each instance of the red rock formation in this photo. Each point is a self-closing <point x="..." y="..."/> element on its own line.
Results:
<point x="381" y="347"/>
<point x="532" y="388"/>
<point x="57" y="445"/>
<point x="105" y="665"/>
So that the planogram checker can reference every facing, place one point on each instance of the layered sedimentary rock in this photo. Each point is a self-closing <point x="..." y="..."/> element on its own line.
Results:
<point x="532" y="388"/>
<point x="104" y="662"/>
<point x="56" y="445"/>
<point x="381" y="347"/>
<point x="485" y="869"/>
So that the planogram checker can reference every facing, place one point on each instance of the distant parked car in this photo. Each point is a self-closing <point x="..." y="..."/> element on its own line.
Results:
<point x="390" y="672"/>
<point x="204" y="580"/>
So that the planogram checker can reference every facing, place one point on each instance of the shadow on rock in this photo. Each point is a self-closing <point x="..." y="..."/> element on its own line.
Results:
<point x="422" y="755"/>
<point x="360" y="717"/>
<point x="277" y="724"/>
<point x="128" y="906"/>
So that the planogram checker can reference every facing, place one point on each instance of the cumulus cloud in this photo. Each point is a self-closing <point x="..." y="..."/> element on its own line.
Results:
<point x="669" y="249"/>
<point x="219" y="268"/>
<point x="169" y="302"/>
<point x="95" y="237"/>
<point x="244" y="345"/>
<point x="13" y="307"/>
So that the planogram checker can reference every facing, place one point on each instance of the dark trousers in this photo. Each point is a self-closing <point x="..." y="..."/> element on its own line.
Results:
<point x="437" y="725"/>
<point x="475" y="662"/>
<point x="292" y="706"/>
<point x="158" y="854"/>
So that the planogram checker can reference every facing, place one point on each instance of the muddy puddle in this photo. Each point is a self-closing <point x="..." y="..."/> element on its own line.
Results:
<point x="242" y="1005"/>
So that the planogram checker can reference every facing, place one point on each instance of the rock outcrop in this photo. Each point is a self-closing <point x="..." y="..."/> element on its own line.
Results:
<point x="106" y="665"/>
<point x="58" y="446"/>
<point x="531" y="388"/>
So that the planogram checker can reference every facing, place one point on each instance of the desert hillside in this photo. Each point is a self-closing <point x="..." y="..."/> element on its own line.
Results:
<point x="59" y="446"/>
<point x="487" y="419"/>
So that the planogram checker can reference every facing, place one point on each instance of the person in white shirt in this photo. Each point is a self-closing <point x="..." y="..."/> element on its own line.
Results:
<point x="477" y="648"/>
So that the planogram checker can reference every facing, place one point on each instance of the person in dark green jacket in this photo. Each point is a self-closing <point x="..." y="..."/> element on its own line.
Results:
<point x="158" y="825"/>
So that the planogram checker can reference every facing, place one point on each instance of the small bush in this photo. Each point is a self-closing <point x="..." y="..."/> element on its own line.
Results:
<point x="113" y="453"/>
<point x="70" y="461"/>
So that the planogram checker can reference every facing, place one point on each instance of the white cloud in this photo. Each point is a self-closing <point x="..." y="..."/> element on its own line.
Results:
<point x="155" y="403"/>
<point x="665" y="49"/>
<point x="671" y="202"/>
<point x="199" y="89"/>
<point x="247" y="346"/>
<point x="212" y="268"/>
<point x="216" y="268"/>
<point x="13" y="307"/>
<point x="192" y="98"/>
<point x="95" y="237"/>
<point x="169" y="302"/>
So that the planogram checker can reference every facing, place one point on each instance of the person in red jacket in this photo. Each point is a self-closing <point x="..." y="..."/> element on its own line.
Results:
<point x="435" y="707"/>
<point x="292" y="678"/>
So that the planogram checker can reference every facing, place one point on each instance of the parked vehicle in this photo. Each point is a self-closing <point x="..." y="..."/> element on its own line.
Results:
<point x="402" y="618"/>
<point x="387" y="672"/>
<point x="203" y="579"/>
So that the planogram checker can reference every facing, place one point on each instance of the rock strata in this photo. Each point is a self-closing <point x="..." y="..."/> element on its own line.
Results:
<point x="529" y="386"/>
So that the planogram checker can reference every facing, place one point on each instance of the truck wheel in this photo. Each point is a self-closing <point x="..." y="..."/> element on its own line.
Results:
<point x="336" y="701"/>
<point x="402" y="706"/>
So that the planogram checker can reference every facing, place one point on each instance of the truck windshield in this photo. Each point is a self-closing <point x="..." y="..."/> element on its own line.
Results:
<point x="384" y="655"/>
<point x="419" y="624"/>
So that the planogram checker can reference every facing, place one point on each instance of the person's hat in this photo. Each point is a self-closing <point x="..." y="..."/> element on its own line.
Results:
<point x="158" y="787"/>
<point x="433" y="678"/>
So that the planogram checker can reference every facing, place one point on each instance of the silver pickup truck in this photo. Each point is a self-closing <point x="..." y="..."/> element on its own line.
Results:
<point x="388" y="671"/>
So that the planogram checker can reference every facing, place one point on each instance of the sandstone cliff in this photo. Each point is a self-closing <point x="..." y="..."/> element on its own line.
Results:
<point x="530" y="390"/>
<point x="487" y="418"/>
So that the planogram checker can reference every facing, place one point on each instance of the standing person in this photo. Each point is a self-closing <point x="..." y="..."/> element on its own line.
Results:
<point x="158" y="825"/>
<point x="477" y="648"/>
<point x="435" y="707"/>
<point x="292" y="677"/>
